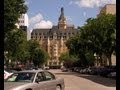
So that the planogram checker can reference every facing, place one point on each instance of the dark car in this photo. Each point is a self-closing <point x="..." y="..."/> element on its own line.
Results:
<point x="94" y="70"/>
<point x="107" y="70"/>
<point x="112" y="75"/>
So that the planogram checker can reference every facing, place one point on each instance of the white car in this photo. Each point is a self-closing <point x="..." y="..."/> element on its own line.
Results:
<point x="6" y="74"/>
<point x="33" y="80"/>
<point x="46" y="68"/>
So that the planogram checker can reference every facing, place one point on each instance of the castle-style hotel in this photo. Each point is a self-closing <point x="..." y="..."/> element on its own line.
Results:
<point x="53" y="40"/>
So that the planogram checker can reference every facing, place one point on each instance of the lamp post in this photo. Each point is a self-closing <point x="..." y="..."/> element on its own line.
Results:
<point x="95" y="59"/>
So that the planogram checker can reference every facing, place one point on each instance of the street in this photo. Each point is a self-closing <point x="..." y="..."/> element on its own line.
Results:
<point x="75" y="81"/>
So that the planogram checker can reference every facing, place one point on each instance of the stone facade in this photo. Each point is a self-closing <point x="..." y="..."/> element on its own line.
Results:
<point x="53" y="40"/>
<point x="109" y="9"/>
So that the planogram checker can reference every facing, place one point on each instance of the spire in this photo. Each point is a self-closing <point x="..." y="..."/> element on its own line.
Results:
<point x="62" y="15"/>
<point x="62" y="20"/>
<point x="62" y="10"/>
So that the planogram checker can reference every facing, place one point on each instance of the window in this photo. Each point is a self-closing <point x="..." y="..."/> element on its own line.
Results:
<point x="50" y="63"/>
<point x="45" y="37"/>
<point x="49" y="76"/>
<point x="43" y="33"/>
<point x="59" y="63"/>
<point x="51" y="37"/>
<point x="40" y="77"/>
<point x="64" y="37"/>
<point x="21" y="77"/>
<point x="58" y="37"/>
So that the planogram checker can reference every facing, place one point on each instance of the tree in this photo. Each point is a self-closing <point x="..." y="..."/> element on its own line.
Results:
<point x="108" y="25"/>
<point x="39" y="57"/>
<point x="31" y="47"/>
<point x="68" y="59"/>
<point x="96" y="36"/>
<point x="101" y="32"/>
<point x="13" y="38"/>
<point x="36" y="54"/>
<point x="15" y="44"/>
<point x="64" y="57"/>
<point x="12" y="11"/>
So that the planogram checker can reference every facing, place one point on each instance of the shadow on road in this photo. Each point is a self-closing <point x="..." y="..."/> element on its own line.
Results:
<point x="97" y="79"/>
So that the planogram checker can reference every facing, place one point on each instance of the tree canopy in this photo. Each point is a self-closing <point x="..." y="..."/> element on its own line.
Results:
<point x="12" y="11"/>
<point x="96" y="36"/>
<point x="39" y="57"/>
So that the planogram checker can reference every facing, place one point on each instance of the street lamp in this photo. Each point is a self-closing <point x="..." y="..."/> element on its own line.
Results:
<point x="95" y="59"/>
<point x="95" y="55"/>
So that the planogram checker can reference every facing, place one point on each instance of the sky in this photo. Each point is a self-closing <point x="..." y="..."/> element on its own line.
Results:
<point x="45" y="13"/>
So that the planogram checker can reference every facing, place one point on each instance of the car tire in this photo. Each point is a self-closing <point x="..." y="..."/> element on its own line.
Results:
<point x="58" y="87"/>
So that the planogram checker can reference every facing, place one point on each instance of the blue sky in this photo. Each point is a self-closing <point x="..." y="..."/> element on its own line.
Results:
<point x="45" y="13"/>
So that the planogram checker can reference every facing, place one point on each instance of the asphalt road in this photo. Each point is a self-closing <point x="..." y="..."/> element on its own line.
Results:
<point x="75" y="81"/>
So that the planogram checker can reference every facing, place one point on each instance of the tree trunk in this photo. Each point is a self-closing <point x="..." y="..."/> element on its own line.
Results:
<point x="109" y="60"/>
<point x="101" y="60"/>
<point x="105" y="60"/>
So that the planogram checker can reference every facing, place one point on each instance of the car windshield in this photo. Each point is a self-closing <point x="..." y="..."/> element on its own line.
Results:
<point x="21" y="77"/>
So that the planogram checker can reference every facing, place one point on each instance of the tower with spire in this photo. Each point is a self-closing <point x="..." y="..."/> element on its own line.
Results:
<point x="62" y="20"/>
<point x="53" y="40"/>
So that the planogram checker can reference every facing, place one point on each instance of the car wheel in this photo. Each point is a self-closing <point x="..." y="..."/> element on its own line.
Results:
<point x="58" y="87"/>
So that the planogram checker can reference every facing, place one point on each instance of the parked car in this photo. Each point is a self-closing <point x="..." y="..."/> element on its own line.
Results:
<point x="7" y="74"/>
<point x="46" y="68"/>
<point x="94" y="70"/>
<point x="112" y="75"/>
<point x="33" y="80"/>
<point x="107" y="70"/>
<point x="64" y="69"/>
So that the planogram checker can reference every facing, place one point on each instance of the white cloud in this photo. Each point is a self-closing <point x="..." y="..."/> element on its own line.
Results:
<point x="38" y="21"/>
<point x="35" y="19"/>
<point x="91" y="3"/>
<point x="43" y="24"/>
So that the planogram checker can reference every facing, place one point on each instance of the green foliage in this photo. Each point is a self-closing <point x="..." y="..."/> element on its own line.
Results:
<point x="12" y="11"/>
<point x="64" y="57"/>
<point x="15" y="44"/>
<point x="39" y="57"/>
<point x="14" y="39"/>
<point x="90" y="58"/>
<point x="98" y="36"/>
<point x="31" y="46"/>
<point x="36" y="54"/>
